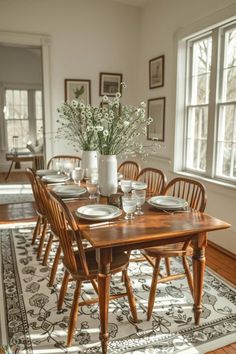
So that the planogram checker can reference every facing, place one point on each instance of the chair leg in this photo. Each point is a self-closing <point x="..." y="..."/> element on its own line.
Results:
<point x="36" y="230"/>
<point x="130" y="295"/>
<point x="48" y="250"/>
<point x="55" y="266"/>
<point x="73" y="313"/>
<point x="152" y="294"/>
<point x="42" y="238"/>
<point x="167" y="262"/>
<point x="63" y="290"/>
<point x="188" y="273"/>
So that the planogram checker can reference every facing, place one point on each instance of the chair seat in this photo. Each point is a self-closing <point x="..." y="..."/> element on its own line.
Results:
<point x="172" y="250"/>
<point x="120" y="261"/>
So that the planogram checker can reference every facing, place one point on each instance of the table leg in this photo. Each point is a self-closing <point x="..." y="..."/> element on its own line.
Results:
<point x="9" y="171"/>
<point x="104" y="258"/>
<point x="199" y="244"/>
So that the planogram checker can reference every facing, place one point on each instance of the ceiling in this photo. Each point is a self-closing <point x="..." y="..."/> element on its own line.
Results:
<point x="139" y="3"/>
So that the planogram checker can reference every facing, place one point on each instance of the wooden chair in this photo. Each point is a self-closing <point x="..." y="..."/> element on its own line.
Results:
<point x="74" y="160"/>
<point x="80" y="264"/>
<point x="129" y="169"/>
<point x="155" y="179"/>
<point x="195" y="194"/>
<point x="41" y="227"/>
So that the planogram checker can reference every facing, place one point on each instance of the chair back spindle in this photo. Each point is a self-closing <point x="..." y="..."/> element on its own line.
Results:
<point x="129" y="169"/>
<point x="155" y="180"/>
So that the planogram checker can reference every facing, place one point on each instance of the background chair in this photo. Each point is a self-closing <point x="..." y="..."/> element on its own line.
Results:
<point x="41" y="227"/>
<point x="129" y="169"/>
<point x="80" y="264"/>
<point x="155" y="180"/>
<point x="195" y="194"/>
<point x="60" y="161"/>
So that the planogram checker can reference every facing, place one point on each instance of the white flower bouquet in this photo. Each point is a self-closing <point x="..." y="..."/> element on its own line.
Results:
<point x="111" y="129"/>
<point x="121" y="128"/>
<point x="78" y="125"/>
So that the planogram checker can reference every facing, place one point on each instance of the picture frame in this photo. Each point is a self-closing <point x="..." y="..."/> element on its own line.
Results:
<point x="156" y="72"/>
<point x="110" y="84"/>
<point x="74" y="85"/>
<point x="156" y="110"/>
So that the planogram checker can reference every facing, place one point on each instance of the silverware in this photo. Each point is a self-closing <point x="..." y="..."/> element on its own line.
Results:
<point x="175" y="211"/>
<point x="105" y="223"/>
<point x="75" y="198"/>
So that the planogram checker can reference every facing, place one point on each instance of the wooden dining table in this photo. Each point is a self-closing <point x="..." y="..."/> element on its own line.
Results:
<point x="154" y="228"/>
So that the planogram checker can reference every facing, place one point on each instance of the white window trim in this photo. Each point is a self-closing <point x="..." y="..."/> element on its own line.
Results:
<point x="199" y="27"/>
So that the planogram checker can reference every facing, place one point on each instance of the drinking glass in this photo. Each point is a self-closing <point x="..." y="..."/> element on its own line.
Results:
<point x="92" y="188"/>
<point x="129" y="206"/>
<point x="77" y="175"/>
<point x="126" y="186"/>
<point x="140" y="197"/>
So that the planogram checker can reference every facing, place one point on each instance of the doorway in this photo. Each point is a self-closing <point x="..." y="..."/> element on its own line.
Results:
<point x="24" y="93"/>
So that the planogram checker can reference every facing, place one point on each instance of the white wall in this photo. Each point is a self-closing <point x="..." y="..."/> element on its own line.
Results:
<point x="20" y="66"/>
<point x="87" y="37"/>
<point x="160" y="21"/>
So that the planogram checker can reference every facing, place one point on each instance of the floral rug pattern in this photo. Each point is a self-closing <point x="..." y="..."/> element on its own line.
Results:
<point x="33" y="321"/>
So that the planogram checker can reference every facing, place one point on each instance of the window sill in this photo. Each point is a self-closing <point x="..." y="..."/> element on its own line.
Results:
<point x="214" y="183"/>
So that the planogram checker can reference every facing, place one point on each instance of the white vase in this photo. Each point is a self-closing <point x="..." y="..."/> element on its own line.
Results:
<point x="89" y="162"/>
<point x="107" y="172"/>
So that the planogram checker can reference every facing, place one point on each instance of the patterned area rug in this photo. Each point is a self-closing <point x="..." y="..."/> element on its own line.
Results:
<point x="15" y="193"/>
<point x="31" y="323"/>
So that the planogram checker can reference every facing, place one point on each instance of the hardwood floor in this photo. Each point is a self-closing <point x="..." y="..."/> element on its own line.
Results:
<point x="225" y="266"/>
<point x="221" y="263"/>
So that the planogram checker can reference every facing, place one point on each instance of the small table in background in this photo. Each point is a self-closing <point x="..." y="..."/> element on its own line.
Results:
<point x="37" y="161"/>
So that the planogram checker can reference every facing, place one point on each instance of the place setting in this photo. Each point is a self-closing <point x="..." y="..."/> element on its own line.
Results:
<point x="169" y="204"/>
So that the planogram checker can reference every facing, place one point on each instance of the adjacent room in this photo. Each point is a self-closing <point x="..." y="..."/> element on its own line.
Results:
<point x="117" y="176"/>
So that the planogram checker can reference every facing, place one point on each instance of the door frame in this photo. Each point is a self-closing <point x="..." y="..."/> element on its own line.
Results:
<point x="42" y="41"/>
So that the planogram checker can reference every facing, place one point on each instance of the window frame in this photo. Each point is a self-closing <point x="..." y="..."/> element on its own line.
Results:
<point x="215" y="96"/>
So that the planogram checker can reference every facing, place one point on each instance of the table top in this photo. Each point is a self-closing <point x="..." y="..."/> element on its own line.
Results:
<point x="22" y="157"/>
<point x="151" y="226"/>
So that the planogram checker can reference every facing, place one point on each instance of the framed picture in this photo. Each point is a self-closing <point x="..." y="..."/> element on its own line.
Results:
<point x="156" y="72"/>
<point x="110" y="84"/>
<point x="156" y="110"/>
<point x="78" y="89"/>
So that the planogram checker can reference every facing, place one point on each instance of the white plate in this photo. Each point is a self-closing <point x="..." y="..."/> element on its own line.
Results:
<point x="98" y="212"/>
<point x="42" y="173"/>
<point x="167" y="202"/>
<point x="69" y="190"/>
<point x="139" y="185"/>
<point x="55" y="178"/>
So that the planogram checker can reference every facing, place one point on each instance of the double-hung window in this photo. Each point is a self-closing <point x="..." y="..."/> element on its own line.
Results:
<point x="23" y="117"/>
<point x="210" y="104"/>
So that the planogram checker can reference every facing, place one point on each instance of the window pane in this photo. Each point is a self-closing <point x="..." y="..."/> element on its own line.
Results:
<point x="226" y="142"/>
<point x="229" y="67"/>
<point x="197" y="138"/>
<point x="16" y="104"/>
<point x="201" y="89"/>
<point x="201" y="67"/>
<point x="18" y="128"/>
<point x="229" y="85"/>
<point x="38" y="104"/>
